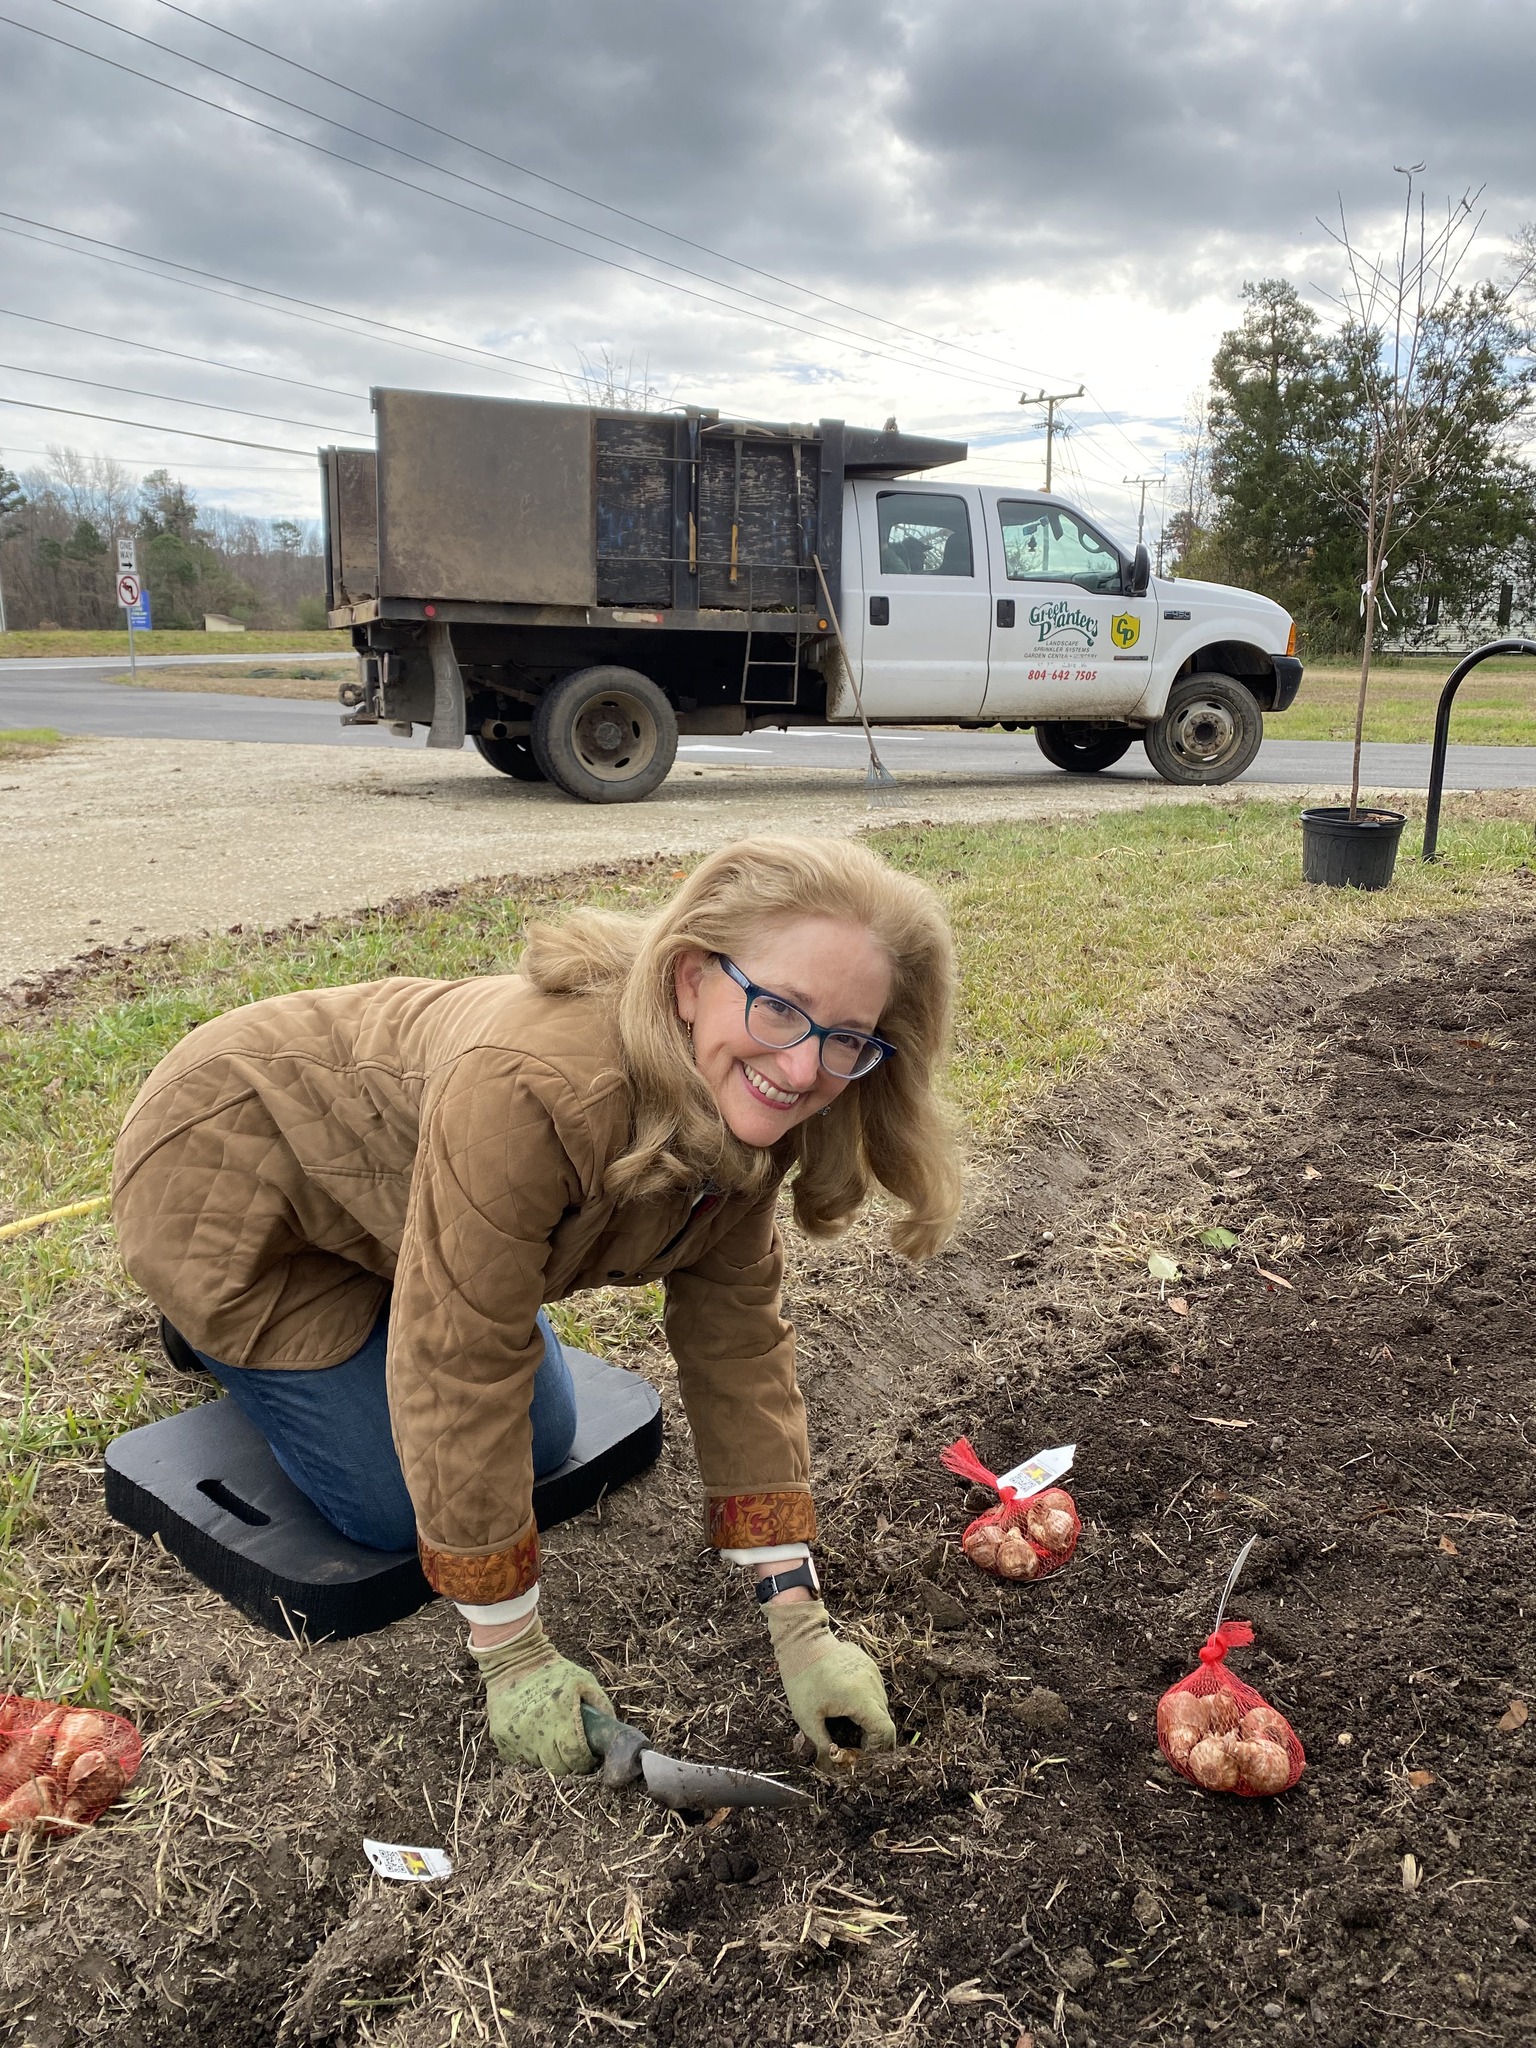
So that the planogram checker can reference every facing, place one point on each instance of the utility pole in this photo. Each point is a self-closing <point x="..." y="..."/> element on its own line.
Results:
<point x="1141" y="509"/>
<point x="1050" y="400"/>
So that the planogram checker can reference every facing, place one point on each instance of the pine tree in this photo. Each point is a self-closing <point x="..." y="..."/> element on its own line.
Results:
<point x="1277" y="404"/>
<point x="12" y="496"/>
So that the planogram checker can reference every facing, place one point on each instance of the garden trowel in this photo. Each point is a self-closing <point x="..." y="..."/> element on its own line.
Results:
<point x="627" y="1755"/>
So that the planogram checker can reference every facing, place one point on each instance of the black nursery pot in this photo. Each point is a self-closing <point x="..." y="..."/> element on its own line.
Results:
<point x="1350" y="853"/>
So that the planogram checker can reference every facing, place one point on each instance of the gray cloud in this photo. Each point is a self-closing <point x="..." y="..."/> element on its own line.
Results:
<point x="918" y="160"/>
<point x="1163" y="129"/>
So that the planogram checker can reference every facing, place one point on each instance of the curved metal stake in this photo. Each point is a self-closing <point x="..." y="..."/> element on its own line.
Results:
<point x="1462" y="669"/>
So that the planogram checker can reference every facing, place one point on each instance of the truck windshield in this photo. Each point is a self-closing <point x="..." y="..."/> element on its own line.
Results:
<point x="1044" y="544"/>
<point x="922" y="534"/>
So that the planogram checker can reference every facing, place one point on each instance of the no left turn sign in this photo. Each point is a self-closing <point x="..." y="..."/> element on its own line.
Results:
<point x="128" y="592"/>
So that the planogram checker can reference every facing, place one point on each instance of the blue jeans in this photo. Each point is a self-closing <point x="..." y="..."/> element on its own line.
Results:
<point x="329" y="1430"/>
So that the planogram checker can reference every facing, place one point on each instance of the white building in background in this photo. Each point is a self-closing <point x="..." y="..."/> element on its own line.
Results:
<point x="1438" y="630"/>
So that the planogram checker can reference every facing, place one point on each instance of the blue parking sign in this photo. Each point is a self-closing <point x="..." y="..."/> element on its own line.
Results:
<point x="139" y="615"/>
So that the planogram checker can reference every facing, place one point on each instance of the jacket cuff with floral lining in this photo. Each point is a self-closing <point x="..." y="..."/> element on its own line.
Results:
<point x="746" y="1521"/>
<point x="484" y="1580"/>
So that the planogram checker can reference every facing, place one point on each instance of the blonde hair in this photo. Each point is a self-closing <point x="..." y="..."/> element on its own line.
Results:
<point x="889" y="1128"/>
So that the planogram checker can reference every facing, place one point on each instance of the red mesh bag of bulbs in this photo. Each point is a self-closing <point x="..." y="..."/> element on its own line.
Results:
<point x="1221" y="1734"/>
<point x="61" y="1767"/>
<point x="1028" y="1535"/>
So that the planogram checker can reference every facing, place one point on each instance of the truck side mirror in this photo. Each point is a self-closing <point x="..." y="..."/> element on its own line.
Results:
<point x="1141" y="572"/>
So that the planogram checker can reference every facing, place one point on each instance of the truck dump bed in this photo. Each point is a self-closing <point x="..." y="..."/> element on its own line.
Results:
<point x="501" y="509"/>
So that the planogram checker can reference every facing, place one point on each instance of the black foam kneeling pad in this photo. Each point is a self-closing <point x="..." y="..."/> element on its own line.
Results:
<point x="206" y="1483"/>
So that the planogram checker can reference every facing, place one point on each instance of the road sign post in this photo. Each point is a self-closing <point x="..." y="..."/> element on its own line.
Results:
<point x="128" y="593"/>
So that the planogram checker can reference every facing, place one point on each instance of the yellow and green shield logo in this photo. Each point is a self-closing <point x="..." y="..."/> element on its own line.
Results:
<point x="1125" y="629"/>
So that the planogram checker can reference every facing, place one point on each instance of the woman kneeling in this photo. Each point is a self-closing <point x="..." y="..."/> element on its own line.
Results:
<point x="353" y="1204"/>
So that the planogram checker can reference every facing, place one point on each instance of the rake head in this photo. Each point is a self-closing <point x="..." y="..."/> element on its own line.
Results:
<point x="879" y="782"/>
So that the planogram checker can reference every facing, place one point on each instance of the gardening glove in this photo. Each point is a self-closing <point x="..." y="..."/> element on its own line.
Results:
<point x="533" y="1699"/>
<point x="823" y="1676"/>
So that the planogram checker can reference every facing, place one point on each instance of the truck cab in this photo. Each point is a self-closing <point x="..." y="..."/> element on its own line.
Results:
<point x="985" y="604"/>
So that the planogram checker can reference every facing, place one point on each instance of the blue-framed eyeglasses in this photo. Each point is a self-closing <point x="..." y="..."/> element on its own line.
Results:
<point x="773" y="1020"/>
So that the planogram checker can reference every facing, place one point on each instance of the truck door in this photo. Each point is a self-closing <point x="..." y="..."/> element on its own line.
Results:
<point x="1068" y="642"/>
<point x="926" y="602"/>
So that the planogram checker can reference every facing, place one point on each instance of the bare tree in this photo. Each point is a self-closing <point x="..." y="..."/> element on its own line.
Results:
<point x="1521" y="269"/>
<point x="1195" y="460"/>
<point x="1190" y="477"/>
<point x="1419" y="346"/>
<point x="56" y="550"/>
<point x="614" y="385"/>
<point x="94" y="487"/>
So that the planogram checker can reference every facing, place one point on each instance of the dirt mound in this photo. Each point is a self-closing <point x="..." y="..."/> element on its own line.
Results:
<point x="1349" y="1378"/>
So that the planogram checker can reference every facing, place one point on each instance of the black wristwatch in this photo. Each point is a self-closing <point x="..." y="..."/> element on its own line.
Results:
<point x="801" y="1574"/>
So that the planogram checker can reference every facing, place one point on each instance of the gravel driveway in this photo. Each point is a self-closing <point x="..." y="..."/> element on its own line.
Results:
<point x="113" y="841"/>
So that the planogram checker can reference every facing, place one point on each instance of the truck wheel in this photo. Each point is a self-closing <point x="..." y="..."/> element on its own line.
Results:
<point x="1209" y="733"/>
<point x="512" y="756"/>
<point x="606" y="735"/>
<point x="1082" y="749"/>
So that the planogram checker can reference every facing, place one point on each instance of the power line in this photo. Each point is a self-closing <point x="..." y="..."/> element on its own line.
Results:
<point x="1078" y="485"/>
<point x="474" y="184"/>
<point x="180" y="355"/>
<point x="587" y="198"/>
<point x="1083" y="440"/>
<point x="151" y="427"/>
<point x="164" y="398"/>
<point x="284" y="310"/>
<point x="217" y="468"/>
<point x="527" y="373"/>
<point x="1141" y="507"/>
<point x="1139" y="453"/>
<point x="425" y="191"/>
<point x="1050" y="400"/>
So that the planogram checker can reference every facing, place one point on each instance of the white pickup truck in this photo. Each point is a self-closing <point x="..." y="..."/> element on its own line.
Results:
<point x="572" y="588"/>
<point x="1010" y="607"/>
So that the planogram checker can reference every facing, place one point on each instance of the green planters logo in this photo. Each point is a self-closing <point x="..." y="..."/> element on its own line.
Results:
<point x="1125" y="629"/>
<point x="1064" y="617"/>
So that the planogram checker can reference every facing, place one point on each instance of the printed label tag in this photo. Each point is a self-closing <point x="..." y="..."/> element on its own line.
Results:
<point x="1039" y="1472"/>
<point x="407" y="1866"/>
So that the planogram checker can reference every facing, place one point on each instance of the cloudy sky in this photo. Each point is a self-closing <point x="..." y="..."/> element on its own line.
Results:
<point x="846" y="208"/>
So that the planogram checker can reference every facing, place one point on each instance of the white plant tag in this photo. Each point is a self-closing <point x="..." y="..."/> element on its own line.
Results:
<point x="407" y="1866"/>
<point x="1039" y="1472"/>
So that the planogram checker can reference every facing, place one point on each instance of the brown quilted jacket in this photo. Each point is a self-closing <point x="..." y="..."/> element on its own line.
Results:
<point x="289" y="1163"/>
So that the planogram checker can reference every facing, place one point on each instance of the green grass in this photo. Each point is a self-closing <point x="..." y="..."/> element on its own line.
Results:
<point x="22" y="743"/>
<point x="55" y="645"/>
<point x="1069" y="937"/>
<point x="1495" y="706"/>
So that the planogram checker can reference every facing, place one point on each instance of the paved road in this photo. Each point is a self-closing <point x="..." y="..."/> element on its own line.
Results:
<point x="77" y="697"/>
<point x="74" y="697"/>
<point x="115" y="665"/>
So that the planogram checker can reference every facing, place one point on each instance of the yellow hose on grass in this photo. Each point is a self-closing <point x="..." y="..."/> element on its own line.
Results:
<point x="26" y="1223"/>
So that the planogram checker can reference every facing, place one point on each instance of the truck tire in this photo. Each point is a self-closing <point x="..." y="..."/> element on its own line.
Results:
<point x="512" y="756"/>
<point x="1082" y="749"/>
<point x="1209" y="733"/>
<point x="606" y="735"/>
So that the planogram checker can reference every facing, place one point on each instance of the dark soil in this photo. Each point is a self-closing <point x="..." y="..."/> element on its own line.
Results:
<point x="1351" y="1382"/>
